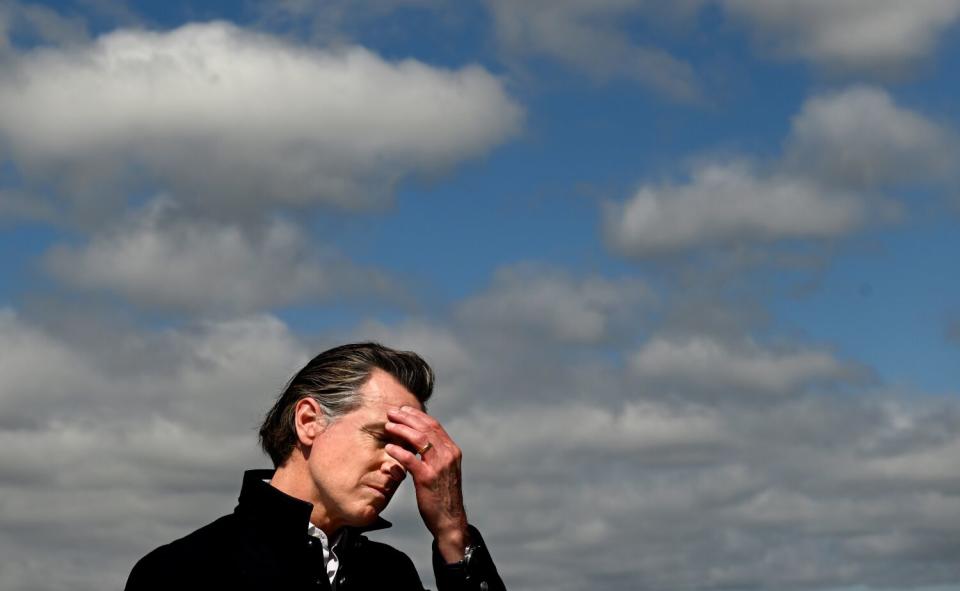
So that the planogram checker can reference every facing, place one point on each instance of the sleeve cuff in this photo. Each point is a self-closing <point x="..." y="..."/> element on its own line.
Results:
<point x="477" y="574"/>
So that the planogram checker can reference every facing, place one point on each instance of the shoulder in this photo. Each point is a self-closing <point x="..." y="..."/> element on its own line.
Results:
<point x="208" y="538"/>
<point x="174" y="560"/>
<point x="221" y="530"/>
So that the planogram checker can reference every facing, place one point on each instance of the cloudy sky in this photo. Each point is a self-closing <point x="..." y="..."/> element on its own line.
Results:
<point x="687" y="274"/>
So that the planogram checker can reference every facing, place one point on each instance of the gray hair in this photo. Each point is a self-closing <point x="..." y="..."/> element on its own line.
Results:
<point x="333" y="379"/>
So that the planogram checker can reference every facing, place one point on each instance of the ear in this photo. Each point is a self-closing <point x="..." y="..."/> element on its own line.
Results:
<point x="309" y="420"/>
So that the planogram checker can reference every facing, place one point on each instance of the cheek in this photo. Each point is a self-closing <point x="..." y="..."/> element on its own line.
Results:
<point x="372" y="462"/>
<point x="361" y="464"/>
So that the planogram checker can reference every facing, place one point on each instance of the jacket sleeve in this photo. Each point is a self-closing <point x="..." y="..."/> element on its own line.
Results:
<point x="479" y="575"/>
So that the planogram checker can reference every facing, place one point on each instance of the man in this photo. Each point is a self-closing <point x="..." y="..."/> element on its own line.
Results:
<point x="342" y="436"/>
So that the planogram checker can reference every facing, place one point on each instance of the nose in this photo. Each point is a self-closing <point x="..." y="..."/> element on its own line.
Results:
<point x="393" y="469"/>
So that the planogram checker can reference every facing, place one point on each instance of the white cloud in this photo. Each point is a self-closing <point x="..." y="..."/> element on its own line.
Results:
<point x="233" y="119"/>
<point x="530" y="302"/>
<point x="859" y="137"/>
<point x="160" y="259"/>
<point x="596" y="477"/>
<point x="843" y="149"/>
<point x="728" y="203"/>
<point x="867" y="36"/>
<point x="589" y="36"/>
<point x="707" y="364"/>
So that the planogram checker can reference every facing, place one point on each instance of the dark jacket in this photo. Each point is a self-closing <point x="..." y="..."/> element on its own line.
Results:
<point x="264" y="545"/>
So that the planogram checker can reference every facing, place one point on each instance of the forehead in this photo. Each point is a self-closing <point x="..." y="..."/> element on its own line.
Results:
<point x="383" y="391"/>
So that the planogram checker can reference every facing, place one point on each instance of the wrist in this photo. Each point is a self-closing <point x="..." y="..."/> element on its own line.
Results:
<point x="452" y="543"/>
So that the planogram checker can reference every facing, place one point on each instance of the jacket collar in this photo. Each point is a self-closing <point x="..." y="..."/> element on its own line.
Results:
<point x="278" y="513"/>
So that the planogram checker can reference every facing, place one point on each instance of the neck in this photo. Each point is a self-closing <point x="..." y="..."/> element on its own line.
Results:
<point x="293" y="478"/>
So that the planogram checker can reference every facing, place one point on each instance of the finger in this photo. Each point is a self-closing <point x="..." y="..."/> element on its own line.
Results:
<point x="415" y="438"/>
<point x="408" y="460"/>
<point x="414" y="418"/>
<point x="423" y="422"/>
<point x="426" y="423"/>
<point x="422" y="415"/>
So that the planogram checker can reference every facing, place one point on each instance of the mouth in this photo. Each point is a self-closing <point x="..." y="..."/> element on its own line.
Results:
<point x="384" y="492"/>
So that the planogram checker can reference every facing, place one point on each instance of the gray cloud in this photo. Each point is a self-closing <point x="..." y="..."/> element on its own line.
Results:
<point x="526" y="301"/>
<point x="331" y="22"/>
<point x="437" y="343"/>
<point x="503" y="344"/>
<point x="174" y="374"/>
<point x="952" y="331"/>
<point x="19" y="205"/>
<point x="126" y="455"/>
<point x="160" y="259"/>
<point x="858" y="137"/>
<point x="43" y="23"/>
<point x="747" y="369"/>
<point x="640" y="428"/>
<point x="589" y="466"/>
<point x="26" y="352"/>
<point x="589" y="36"/>
<point x="862" y="36"/>
<point x="882" y="38"/>
<point x="676" y="496"/>
<point x="233" y="120"/>
<point x="566" y="457"/>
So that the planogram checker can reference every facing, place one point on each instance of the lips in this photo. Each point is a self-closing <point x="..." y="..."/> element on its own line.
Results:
<point x="386" y="492"/>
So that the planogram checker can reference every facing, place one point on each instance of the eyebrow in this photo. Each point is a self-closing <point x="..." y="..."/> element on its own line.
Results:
<point x="378" y="426"/>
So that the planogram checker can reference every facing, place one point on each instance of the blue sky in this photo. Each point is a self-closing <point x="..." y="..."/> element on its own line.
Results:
<point x="686" y="273"/>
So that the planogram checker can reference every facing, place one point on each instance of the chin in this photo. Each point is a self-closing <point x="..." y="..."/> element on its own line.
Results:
<point x="365" y="516"/>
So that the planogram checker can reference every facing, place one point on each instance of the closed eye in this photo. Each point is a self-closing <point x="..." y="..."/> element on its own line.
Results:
<point x="382" y="438"/>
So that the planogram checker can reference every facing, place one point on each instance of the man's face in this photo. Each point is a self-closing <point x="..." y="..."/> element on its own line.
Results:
<point x="354" y="476"/>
